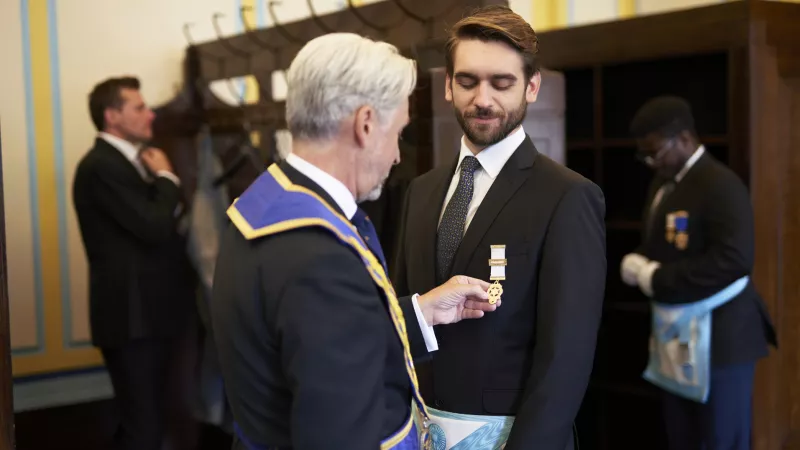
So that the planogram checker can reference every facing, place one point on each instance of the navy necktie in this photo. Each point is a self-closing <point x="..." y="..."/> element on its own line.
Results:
<point x="367" y="231"/>
<point x="451" y="229"/>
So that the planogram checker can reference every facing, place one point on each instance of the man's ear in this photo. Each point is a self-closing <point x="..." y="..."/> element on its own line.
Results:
<point x="448" y="88"/>
<point x="364" y="124"/>
<point x="532" y="90"/>
<point x="109" y="116"/>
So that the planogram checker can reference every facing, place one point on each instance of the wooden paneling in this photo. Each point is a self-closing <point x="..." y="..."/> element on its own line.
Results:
<point x="699" y="30"/>
<point x="269" y="49"/>
<point x="766" y="182"/>
<point x="738" y="63"/>
<point x="789" y="325"/>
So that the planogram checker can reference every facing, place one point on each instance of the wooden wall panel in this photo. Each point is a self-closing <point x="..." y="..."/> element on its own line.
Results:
<point x="775" y="171"/>
<point x="789" y="324"/>
<point x="792" y="248"/>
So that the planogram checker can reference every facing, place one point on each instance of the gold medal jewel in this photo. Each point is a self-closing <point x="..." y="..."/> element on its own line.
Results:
<point x="495" y="292"/>
<point x="497" y="265"/>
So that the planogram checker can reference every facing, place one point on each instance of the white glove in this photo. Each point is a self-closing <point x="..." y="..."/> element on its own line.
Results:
<point x="645" y="277"/>
<point x="631" y="265"/>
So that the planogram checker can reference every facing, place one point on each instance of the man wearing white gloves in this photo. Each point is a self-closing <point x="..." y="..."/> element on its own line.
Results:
<point x="695" y="260"/>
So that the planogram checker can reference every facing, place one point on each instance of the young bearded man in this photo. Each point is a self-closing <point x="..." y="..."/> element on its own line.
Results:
<point x="503" y="211"/>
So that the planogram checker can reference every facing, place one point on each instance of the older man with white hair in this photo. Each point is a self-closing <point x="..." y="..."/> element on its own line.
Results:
<point x="311" y="337"/>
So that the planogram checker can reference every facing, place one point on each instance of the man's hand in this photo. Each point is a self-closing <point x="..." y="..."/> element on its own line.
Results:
<point x="636" y="270"/>
<point x="156" y="160"/>
<point x="460" y="298"/>
<point x="631" y="265"/>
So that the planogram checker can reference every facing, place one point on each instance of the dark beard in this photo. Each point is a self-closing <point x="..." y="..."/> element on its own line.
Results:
<point x="483" y="138"/>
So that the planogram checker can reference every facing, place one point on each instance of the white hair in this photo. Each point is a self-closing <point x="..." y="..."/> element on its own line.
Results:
<point x="335" y="74"/>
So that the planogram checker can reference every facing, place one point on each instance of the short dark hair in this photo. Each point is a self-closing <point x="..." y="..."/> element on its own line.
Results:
<point x="666" y="116"/>
<point x="108" y="94"/>
<point x="496" y="23"/>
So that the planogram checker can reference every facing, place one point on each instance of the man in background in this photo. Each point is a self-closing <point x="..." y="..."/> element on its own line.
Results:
<point x="141" y="284"/>
<point x="504" y="211"/>
<point x="698" y="241"/>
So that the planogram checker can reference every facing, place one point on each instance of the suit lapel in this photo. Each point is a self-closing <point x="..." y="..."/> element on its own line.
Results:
<point x="426" y="239"/>
<point x="651" y="194"/>
<point x="117" y="156"/>
<point x="509" y="180"/>
<point x="649" y="217"/>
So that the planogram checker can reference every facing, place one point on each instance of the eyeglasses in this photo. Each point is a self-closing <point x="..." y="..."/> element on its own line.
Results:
<point x="650" y="160"/>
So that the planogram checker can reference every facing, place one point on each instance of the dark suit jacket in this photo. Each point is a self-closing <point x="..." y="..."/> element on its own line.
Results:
<point x="308" y="351"/>
<point x="720" y="251"/>
<point x="141" y="283"/>
<point x="533" y="356"/>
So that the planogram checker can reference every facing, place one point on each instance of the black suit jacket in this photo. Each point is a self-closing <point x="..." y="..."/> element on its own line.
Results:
<point x="308" y="351"/>
<point x="720" y="250"/>
<point x="533" y="356"/>
<point x="141" y="283"/>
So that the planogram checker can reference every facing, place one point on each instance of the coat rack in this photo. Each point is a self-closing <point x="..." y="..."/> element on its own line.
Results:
<point x="417" y="27"/>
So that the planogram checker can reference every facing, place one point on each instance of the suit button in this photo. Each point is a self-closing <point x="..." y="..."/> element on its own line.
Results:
<point x="437" y="403"/>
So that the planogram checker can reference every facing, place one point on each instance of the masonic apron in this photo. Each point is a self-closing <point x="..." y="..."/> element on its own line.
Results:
<point x="680" y="344"/>
<point x="468" y="432"/>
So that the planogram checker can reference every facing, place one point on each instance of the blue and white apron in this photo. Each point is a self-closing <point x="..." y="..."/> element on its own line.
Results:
<point x="680" y="344"/>
<point x="451" y="431"/>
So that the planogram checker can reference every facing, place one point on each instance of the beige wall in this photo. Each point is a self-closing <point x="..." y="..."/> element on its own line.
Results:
<point x="14" y="126"/>
<point x="553" y="14"/>
<point x="657" y="6"/>
<point x="53" y="52"/>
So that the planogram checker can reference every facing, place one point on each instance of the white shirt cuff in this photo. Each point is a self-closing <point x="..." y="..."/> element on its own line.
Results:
<point x="645" y="277"/>
<point x="170" y="176"/>
<point x="427" y="331"/>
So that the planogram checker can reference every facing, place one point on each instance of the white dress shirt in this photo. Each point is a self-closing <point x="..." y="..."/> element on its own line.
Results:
<point x="131" y="153"/>
<point x="492" y="160"/>
<point x="347" y="203"/>
<point x="690" y="162"/>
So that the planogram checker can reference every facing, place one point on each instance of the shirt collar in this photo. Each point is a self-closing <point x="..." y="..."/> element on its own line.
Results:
<point x="494" y="157"/>
<point x="335" y="188"/>
<point x="689" y="163"/>
<point x="128" y="149"/>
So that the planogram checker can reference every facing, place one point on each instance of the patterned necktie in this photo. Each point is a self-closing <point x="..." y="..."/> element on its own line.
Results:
<point x="451" y="229"/>
<point x="367" y="231"/>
